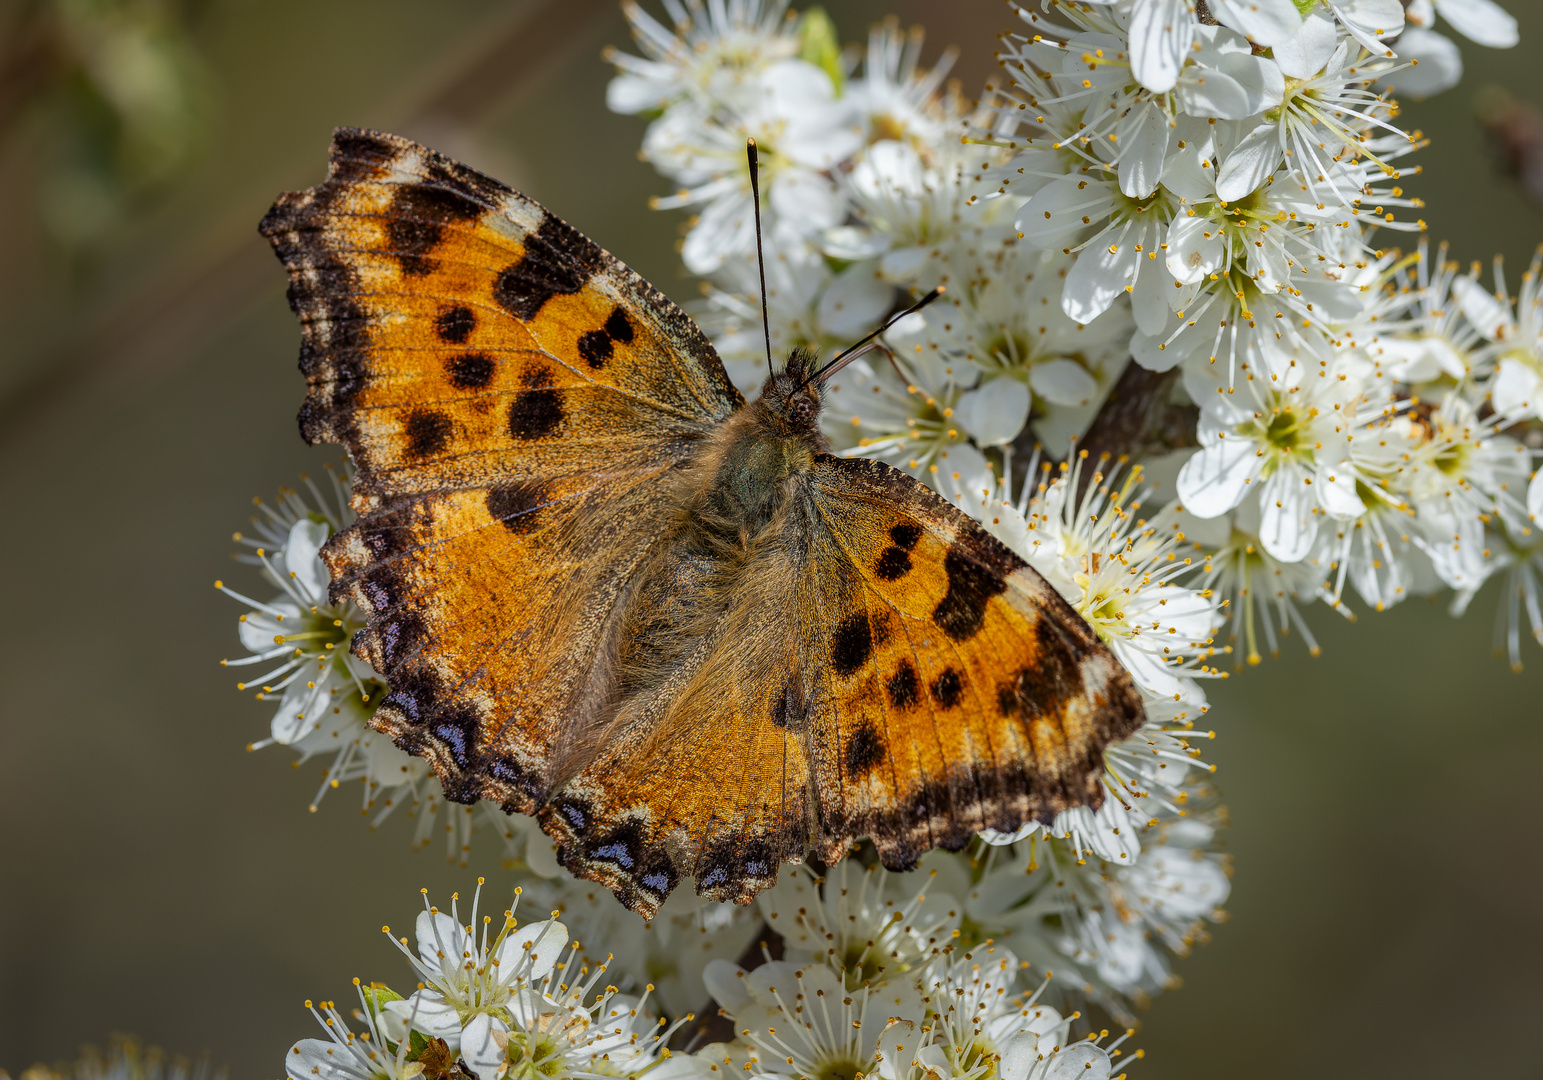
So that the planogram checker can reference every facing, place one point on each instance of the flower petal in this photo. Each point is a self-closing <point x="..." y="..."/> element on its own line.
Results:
<point x="1517" y="389"/>
<point x="1481" y="21"/>
<point x="1080" y="1061"/>
<point x="302" y="559"/>
<point x="1370" y="20"/>
<point x="1161" y="32"/>
<point x="1099" y="276"/>
<point x="544" y="941"/>
<point x="897" y="1048"/>
<point x="430" y="1014"/>
<point x="1149" y="300"/>
<point x="1266" y="22"/>
<point x="1337" y="494"/>
<point x="480" y="1050"/>
<point x="1063" y="382"/>
<point x="994" y="412"/>
<point x="320" y="1059"/>
<point x="1438" y="64"/>
<point x="1196" y="248"/>
<point x="806" y="197"/>
<point x="1217" y="477"/>
<point x="855" y="302"/>
<point x="1056" y="212"/>
<point x="1287" y="527"/>
<point x="1305" y="53"/>
<point x="725" y="983"/>
<point x="1490" y="315"/>
<point x="1249" y="163"/>
<point x="1143" y="134"/>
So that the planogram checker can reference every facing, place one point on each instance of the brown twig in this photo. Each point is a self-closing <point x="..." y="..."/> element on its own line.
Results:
<point x="1138" y="419"/>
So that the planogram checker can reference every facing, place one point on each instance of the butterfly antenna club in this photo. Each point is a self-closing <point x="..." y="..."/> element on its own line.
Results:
<point x="846" y="356"/>
<point x="760" y="256"/>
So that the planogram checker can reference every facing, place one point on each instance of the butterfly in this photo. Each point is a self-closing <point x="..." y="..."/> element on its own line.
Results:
<point x="607" y="591"/>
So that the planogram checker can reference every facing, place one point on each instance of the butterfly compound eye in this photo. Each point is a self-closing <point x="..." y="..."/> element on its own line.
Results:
<point x="803" y="408"/>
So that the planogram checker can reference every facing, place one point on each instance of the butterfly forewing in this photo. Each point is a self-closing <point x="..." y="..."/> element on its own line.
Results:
<point x="510" y="395"/>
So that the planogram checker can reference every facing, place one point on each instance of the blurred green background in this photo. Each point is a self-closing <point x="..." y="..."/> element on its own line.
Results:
<point x="1387" y="914"/>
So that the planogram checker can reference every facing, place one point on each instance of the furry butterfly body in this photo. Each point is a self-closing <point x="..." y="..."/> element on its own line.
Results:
<point x="608" y="592"/>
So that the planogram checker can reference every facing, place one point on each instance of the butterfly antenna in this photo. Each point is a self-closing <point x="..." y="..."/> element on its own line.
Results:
<point x="760" y="257"/>
<point x="846" y="356"/>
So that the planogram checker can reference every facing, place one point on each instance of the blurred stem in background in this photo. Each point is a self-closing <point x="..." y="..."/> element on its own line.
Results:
<point x="1514" y="131"/>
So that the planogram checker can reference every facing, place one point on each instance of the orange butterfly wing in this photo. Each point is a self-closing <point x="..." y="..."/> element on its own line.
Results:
<point x="965" y="693"/>
<point x="888" y="669"/>
<point x="511" y="395"/>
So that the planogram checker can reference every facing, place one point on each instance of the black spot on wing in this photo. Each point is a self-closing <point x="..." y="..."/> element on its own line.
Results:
<point x="467" y="183"/>
<point x="851" y="643"/>
<point x="455" y="323"/>
<point x="427" y="431"/>
<point x="971" y="585"/>
<point x="509" y="771"/>
<point x="947" y="688"/>
<point x="516" y="505"/>
<point x="864" y="751"/>
<point x="575" y="812"/>
<point x="1054" y="678"/>
<point x="416" y="221"/>
<point x="470" y="371"/>
<point x="595" y="347"/>
<point x="357" y="154"/>
<point x="905" y="535"/>
<point x="618" y="327"/>
<point x="726" y="866"/>
<point x="904" y="688"/>
<point x="558" y="261"/>
<point x="893" y="564"/>
<point x="396" y="638"/>
<point x="537" y="410"/>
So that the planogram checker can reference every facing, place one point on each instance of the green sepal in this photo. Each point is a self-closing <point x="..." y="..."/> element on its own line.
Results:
<point x="416" y="1045"/>
<point x="818" y="44"/>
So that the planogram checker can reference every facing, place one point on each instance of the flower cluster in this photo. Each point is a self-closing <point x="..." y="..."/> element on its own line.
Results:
<point x="895" y="995"/>
<point x="492" y="1002"/>
<point x="1200" y="189"/>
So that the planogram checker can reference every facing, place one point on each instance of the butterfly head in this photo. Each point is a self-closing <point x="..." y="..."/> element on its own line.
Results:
<point x="791" y="398"/>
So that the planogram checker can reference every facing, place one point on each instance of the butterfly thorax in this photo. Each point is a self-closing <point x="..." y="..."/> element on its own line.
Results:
<point x="731" y="521"/>
<point x="763" y="447"/>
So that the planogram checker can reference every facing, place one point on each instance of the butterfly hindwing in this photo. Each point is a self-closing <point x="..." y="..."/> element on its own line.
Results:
<point x="963" y="692"/>
<point x="893" y="671"/>
<point x="510" y="395"/>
